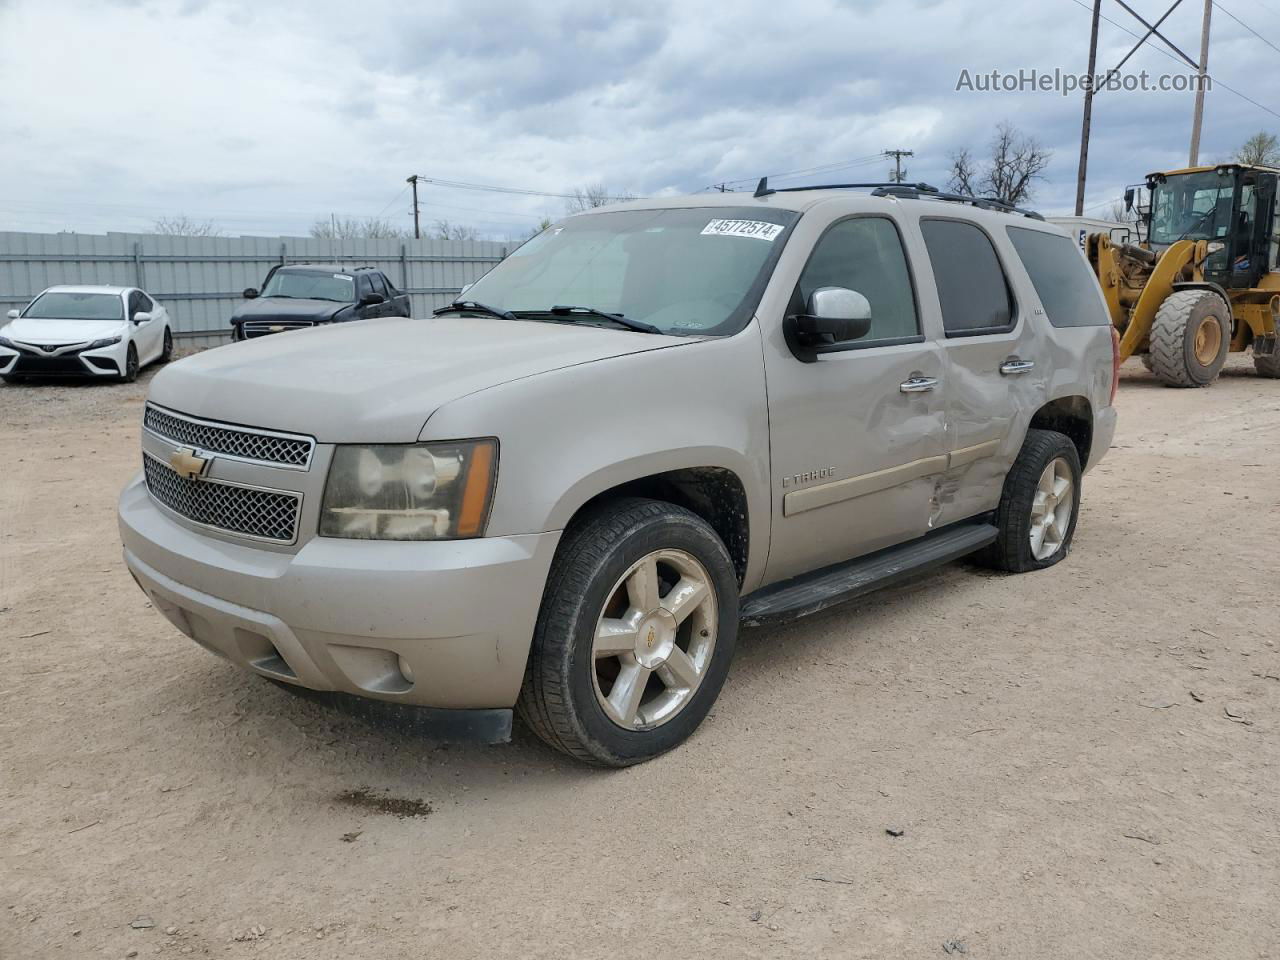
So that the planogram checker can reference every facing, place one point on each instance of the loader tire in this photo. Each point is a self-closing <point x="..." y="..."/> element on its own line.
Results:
<point x="1269" y="366"/>
<point x="1190" y="337"/>
<point x="1146" y="362"/>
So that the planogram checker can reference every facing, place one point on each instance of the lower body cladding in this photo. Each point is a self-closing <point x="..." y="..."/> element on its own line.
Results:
<point x="443" y="624"/>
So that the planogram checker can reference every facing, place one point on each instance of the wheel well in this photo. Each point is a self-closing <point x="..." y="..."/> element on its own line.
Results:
<point x="713" y="493"/>
<point x="1071" y="416"/>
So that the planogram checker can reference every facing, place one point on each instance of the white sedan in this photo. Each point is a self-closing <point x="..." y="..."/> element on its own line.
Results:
<point x="90" y="331"/>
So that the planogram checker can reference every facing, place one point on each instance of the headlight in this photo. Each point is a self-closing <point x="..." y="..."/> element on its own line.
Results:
<point x="421" y="491"/>
<point x="104" y="342"/>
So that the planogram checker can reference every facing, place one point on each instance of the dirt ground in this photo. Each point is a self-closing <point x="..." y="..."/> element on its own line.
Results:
<point x="1083" y="762"/>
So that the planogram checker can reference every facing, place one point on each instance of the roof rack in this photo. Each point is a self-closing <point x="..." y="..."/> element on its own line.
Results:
<point x="907" y="191"/>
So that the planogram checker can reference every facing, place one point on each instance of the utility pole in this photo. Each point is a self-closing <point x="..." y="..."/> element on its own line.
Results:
<point x="1198" y="117"/>
<point x="417" y="229"/>
<point x="1088" y="109"/>
<point x="897" y="155"/>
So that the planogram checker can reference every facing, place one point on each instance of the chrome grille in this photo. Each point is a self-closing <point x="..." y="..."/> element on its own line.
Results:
<point x="262" y="446"/>
<point x="248" y="511"/>
<point x="262" y="328"/>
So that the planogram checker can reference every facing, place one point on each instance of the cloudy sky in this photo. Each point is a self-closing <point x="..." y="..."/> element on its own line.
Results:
<point x="263" y="115"/>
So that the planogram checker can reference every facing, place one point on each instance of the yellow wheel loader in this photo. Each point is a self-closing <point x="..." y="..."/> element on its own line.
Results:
<point x="1204" y="281"/>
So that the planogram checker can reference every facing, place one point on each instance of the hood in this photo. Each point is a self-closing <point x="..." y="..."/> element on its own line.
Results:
<point x="378" y="381"/>
<point x="26" y="330"/>
<point x="286" y="308"/>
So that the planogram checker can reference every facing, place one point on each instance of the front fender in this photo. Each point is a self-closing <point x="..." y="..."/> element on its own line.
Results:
<point x="569" y="435"/>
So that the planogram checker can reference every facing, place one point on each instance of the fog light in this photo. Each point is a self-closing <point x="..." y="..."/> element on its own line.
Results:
<point x="405" y="669"/>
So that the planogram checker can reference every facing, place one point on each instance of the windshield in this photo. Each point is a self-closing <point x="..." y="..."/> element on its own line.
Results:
<point x="689" y="271"/>
<point x="76" y="306"/>
<point x="1192" y="206"/>
<point x="310" y="285"/>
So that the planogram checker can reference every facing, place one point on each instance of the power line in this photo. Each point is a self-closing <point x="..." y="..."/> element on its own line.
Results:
<point x="1214" y="80"/>
<point x="1246" y="26"/>
<point x="823" y="168"/>
<point x="515" y="191"/>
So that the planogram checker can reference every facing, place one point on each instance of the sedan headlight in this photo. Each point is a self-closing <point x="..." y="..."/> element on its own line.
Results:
<point x="421" y="491"/>
<point x="104" y="342"/>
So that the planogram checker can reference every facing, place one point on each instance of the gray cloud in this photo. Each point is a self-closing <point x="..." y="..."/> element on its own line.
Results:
<point x="265" y="116"/>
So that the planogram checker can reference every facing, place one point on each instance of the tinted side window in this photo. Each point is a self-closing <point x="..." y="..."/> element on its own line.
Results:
<point x="378" y="286"/>
<point x="971" y="284"/>
<point x="145" y="302"/>
<point x="1067" y="288"/>
<point x="135" y="304"/>
<point x="363" y="289"/>
<point x="865" y="254"/>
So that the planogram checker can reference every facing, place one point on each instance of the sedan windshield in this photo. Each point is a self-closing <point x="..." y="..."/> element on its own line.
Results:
<point x="687" y="271"/>
<point x="76" y="306"/>
<point x="310" y="285"/>
<point x="1194" y="206"/>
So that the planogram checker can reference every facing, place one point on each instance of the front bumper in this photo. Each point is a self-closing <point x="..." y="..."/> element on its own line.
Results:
<point x="338" y="615"/>
<point x="103" y="362"/>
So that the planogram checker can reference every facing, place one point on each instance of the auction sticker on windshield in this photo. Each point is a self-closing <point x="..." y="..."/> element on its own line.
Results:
<point x="756" y="229"/>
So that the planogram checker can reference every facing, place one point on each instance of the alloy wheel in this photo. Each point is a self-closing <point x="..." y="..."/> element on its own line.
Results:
<point x="1051" y="509"/>
<point x="654" y="639"/>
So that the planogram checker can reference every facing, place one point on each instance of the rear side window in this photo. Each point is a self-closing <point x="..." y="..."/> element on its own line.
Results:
<point x="865" y="254"/>
<point x="971" y="283"/>
<point x="1066" y="286"/>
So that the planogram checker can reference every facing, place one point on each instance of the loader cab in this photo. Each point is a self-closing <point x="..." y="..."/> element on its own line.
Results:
<point x="1231" y="206"/>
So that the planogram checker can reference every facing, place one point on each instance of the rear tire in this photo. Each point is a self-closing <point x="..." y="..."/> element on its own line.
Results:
<point x="1269" y="366"/>
<point x="1190" y="337"/>
<point x="635" y="635"/>
<point x="1041" y="496"/>
<point x="166" y="351"/>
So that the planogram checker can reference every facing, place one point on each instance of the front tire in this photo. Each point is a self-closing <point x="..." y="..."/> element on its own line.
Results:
<point x="1190" y="337"/>
<point x="1038" y="508"/>
<point x="635" y="635"/>
<point x="130" y="365"/>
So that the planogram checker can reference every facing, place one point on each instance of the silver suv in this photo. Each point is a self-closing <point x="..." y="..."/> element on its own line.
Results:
<point x="647" y="426"/>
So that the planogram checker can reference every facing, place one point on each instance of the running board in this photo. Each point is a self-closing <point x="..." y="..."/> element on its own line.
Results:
<point x="812" y="592"/>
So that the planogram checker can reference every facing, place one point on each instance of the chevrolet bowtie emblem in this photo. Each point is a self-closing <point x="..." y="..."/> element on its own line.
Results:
<point x="188" y="463"/>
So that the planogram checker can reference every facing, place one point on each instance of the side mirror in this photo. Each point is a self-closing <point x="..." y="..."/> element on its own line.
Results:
<point x="1128" y="198"/>
<point x="372" y="299"/>
<point x="832" y="315"/>
<point x="14" y="314"/>
<point x="250" y="293"/>
<point x="142" y="316"/>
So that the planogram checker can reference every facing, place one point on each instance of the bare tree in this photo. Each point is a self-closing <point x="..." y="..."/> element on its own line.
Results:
<point x="1117" y="212"/>
<point x="454" y="231"/>
<point x="184" y="226"/>
<point x="1017" y="161"/>
<point x="1262" y="148"/>
<point x="595" y="195"/>
<point x="964" y="173"/>
<point x="543" y="224"/>
<point x="355" y="228"/>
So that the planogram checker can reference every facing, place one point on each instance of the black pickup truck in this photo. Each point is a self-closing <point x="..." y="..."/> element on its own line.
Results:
<point x="308" y="294"/>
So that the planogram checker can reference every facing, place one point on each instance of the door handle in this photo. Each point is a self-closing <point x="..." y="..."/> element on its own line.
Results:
<point x="918" y="384"/>
<point x="1015" y="366"/>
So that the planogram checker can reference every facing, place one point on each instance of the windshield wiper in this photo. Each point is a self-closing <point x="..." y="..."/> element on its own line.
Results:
<point x="574" y="314"/>
<point x="473" y="306"/>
